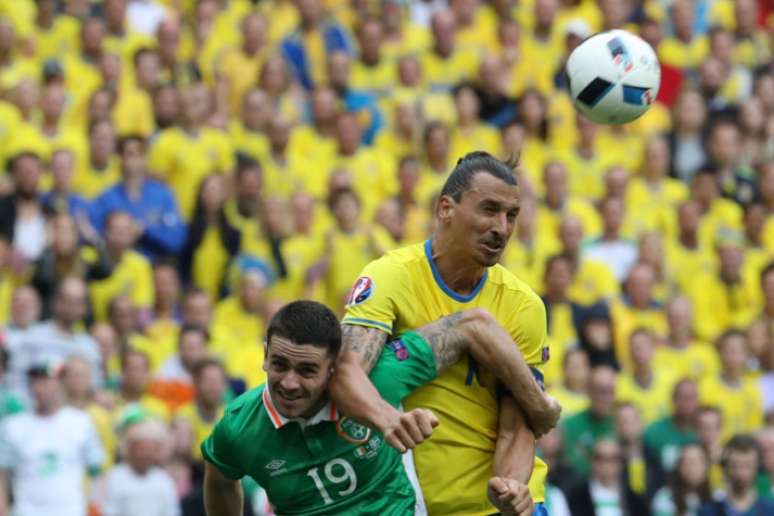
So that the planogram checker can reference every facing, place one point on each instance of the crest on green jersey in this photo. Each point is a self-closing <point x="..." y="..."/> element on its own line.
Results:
<point x="353" y="432"/>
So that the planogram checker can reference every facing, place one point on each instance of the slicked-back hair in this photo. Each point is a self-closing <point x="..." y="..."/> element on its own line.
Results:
<point x="470" y="165"/>
<point x="307" y="323"/>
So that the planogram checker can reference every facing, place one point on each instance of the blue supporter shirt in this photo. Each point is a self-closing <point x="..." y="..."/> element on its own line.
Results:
<point x="156" y="209"/>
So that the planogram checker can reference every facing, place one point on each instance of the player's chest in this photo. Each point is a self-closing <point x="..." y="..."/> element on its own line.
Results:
<point x="320" y="465"/>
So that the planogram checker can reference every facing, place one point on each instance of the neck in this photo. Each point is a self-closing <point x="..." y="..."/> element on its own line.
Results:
<point x="164" y="309"/>
<point x="680" y="339"/>
<point x="610" y="235"/>
<point x="325" y="127"/>
<point x="78" y="400"/>
<point x="731" y="377"/>
<point x="556" y="297"/>
<point x="689" y="239"/>
<point x="460" y="279"/>
<point x="683" y="422"/>
<point x="643" y="375"/>
<point x="47" y="410"/>
<point x="208" y="412"/>
<point x="742" y="498"/>
<point x="133" y="186"/>
<point x="63" y="326"/>
<point x="131" y="394"/>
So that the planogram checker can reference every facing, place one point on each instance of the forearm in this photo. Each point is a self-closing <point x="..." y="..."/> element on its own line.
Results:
<point x="355" y="396"/>
<point x="222" y="498"/>
<point x="494" y="348"/>
<point x="515" y="448"/>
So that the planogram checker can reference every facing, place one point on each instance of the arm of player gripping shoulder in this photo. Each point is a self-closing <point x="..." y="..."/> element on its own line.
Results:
<point x="222" y="496"/>
<point x="350" y="388"/>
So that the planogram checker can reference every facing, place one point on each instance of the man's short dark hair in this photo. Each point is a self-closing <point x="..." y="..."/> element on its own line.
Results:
<point x="193" y="328"/>
<point x="474" y="163"/>
<point x="307" y="322"/>
<point x="129" y="138"/>
<point x="206" y="363"/>
<point x="14" y="160"/>
<point x="741" y="443"/>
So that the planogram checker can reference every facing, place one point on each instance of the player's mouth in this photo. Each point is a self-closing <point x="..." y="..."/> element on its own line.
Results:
<point x="492" y="247"/>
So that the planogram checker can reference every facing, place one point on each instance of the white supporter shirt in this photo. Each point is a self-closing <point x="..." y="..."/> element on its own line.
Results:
<point x="131" y="494"/>
<point x="48" y="457"/>
<point x="620" y="256"/>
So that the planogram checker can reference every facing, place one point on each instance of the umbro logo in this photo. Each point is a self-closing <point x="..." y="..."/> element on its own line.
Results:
<point x="275" y="464"/>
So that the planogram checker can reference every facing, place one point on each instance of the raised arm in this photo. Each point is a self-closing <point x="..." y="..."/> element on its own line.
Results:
<point x="222" y="496"/>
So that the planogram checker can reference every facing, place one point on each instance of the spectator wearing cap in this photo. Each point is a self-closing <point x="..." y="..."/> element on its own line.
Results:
<point x="150" y="203"/>
<point x="313" y="41"/>
<point x="22" y="215"/>
<point x="56" y="339"/>
<point x="46" y="453"/>
<point x="741" y="461"/>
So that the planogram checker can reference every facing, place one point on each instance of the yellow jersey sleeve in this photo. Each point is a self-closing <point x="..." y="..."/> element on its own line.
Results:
<point x="528" y="327"/>
<point x="377" y="295"/>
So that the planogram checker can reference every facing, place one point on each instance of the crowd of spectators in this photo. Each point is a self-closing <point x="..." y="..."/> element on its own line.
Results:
<point x="174" y="171"/>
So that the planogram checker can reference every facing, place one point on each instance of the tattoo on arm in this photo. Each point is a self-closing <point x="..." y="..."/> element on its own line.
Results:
<point x="446" y="339"/>
<point x="364" y="341"/>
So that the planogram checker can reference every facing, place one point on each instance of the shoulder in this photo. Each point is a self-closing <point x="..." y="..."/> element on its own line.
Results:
<point x="246" y="406"/>
<point x="398" y="262"/>
<point x="514" y="289"/>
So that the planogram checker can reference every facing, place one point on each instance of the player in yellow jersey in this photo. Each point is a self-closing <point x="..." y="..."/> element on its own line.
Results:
<point x="483" y="450"/>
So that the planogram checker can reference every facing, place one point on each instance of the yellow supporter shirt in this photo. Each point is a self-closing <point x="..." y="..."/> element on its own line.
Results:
<point x="528" y="263"/>
<point x="90" y="181"/>
<point x="594" y="281"/>
<point x="131" y="276"/>
<point x="201" y="428"/>
<point x="754" y="51"/>
<point x="627" y="318"/>
<point x="722" y="214"/>
<point x="687" y="263"/>
<point x="241" y="72"/>
<point x="299" y="252"/>
<point x="682" y="55"/>
<point x="306" y="145"/>
<point x="654" y="400"/>
<point x="586" y="177"/>
<point x="572" y="402"/>
<point x="480" y="137"/>
<point x="741" y="405"/>
<point x="210" y="261"/>
<point x="103" y="424"/>
<point x="244" y="329"/>
<point x="133" y="112"/>
<point x="62" y="38"/>
<point x="697" y="361"/>
<point x="183" y="160"/>
<point x="658" y="200"/>
<point x="148" y="404"/>
<point x="562" y="335"/>
<point x="548" y="220"/>
<point x="391" y="144"/>
<point x="407" y="292"/>
<point x="253" y="143"/>
<point x="415" y="39"/>
<point x="349" y="254"/>
<point x="440" y="73"/>
<point x="374" y="176"/>
<point x="719" y="306"/>
<point x="378" y="79"/>
<point x="481" y="35"/>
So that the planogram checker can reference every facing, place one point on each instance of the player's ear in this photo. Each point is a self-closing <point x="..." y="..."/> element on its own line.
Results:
<point x="445" y="208"/>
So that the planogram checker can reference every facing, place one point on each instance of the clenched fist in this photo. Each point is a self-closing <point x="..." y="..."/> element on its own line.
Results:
<point x="408" y="429"/>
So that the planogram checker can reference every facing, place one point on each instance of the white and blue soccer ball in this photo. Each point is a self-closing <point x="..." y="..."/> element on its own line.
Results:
<point x="614" y="77"/>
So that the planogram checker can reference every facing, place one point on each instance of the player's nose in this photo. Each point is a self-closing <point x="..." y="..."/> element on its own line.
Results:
<point x="289" y="382"/>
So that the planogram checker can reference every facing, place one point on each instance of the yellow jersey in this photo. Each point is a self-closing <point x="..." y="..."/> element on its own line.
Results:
<point x="132" y="276"/>
<point x="654" y="401"/>
<point x="742" y="405"/>
<point x="403" y="291"/>
<point x="201" y="427"/>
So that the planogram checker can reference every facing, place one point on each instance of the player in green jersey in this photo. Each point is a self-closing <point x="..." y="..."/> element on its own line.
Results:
<point x="292" y="441"/>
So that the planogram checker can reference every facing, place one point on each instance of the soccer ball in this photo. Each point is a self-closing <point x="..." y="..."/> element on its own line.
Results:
<point x="614" y="77"/>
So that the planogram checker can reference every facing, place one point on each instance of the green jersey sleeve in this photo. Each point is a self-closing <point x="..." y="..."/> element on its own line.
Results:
<point x="406" y="364"/>
<point x="221" y="449"/>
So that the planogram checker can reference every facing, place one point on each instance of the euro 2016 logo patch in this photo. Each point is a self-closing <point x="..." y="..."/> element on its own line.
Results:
<point x="361" y="291"/>
<point x="352" y="432"/>
<point x="400" y="350"/>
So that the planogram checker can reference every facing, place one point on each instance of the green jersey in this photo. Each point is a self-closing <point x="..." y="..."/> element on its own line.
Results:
<point x="664" y="440"/>
<point x="328" y="464"/>
<point x="581" y="432"/>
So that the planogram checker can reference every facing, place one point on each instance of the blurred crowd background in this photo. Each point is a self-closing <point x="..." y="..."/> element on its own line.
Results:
<point x="173" y="171"/>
